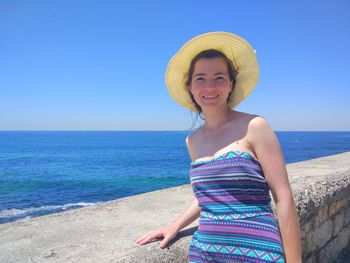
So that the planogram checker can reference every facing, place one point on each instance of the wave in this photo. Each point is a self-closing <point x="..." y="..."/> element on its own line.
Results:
<point x="46" y="209"/>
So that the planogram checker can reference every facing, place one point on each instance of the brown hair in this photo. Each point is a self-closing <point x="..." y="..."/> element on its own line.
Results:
<point x="210" y="53"/>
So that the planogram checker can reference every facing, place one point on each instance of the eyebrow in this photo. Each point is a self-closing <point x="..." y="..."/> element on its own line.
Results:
<point x="203" y="74"/>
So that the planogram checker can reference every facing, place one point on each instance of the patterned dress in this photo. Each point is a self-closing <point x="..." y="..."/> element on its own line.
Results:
<point x="236" y="222"/>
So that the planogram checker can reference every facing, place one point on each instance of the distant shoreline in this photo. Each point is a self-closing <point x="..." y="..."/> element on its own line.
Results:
<point x="156" y="130"/>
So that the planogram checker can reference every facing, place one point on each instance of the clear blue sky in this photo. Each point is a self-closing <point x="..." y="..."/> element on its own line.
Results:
<point x="99" y="65"/>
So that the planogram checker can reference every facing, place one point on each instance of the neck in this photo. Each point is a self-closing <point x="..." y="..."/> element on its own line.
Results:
<point x="214" y="119"/>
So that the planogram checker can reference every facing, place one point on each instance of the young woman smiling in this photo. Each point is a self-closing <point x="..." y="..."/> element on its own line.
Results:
<point x="236" y="160"/>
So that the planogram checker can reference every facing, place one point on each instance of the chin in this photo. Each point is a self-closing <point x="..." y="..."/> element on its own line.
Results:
<point x="210" y="106"/>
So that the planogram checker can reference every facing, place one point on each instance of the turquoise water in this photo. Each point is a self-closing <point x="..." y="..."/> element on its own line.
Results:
<point x="47" y="172"/>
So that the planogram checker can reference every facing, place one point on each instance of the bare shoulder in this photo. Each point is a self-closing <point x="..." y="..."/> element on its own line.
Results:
<point x="191" y="142"/>
<point x="244" y="116"/>
<point x="251" y="122"/>
<point x="269" y="153"/>
<point x="261" y="135"/>
<point x="257" y="122"/>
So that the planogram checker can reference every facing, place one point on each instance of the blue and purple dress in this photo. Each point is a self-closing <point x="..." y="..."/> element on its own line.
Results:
<point x="236" y="222"/>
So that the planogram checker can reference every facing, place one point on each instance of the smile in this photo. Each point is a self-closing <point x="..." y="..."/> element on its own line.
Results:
<point x="210" y="97"/>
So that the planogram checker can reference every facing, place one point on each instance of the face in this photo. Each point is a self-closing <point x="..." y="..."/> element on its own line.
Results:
<point x="211" y="84"/>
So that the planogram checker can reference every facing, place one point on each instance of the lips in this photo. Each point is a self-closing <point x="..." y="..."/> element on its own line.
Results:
<point x="210" y="97"/>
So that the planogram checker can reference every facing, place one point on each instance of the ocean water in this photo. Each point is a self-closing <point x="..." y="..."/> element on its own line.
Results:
<point x="48" y="172"/>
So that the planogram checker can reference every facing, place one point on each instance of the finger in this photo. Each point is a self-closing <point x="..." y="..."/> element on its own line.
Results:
<point x="151" y="237"/>
<point x="165" y="241"/>
<point x="146" y="240"/>
<point x="141" y="238"/>
<point x="144" y="236"/>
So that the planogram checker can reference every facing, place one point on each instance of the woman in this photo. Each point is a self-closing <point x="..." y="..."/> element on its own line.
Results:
<point x="236" y="160"/>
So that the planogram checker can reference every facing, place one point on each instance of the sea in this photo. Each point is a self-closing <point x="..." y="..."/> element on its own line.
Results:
<point x="44" y="172"/>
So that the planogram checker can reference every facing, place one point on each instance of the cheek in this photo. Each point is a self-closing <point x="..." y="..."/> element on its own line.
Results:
<point x="192" y="92"/>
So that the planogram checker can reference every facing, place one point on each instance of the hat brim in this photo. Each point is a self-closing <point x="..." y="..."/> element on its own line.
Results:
<point x="238" y="50"/>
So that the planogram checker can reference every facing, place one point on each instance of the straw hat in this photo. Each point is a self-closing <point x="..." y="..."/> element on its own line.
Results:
<point x="238" y="50"/>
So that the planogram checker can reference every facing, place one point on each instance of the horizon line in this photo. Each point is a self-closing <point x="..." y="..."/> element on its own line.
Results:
<point x="155" y="130"/>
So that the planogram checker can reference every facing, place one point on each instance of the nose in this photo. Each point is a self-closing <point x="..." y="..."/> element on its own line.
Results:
<point x="210" y="84"/>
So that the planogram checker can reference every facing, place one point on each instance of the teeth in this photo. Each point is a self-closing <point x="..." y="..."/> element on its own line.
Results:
<point x="209" y="97"/>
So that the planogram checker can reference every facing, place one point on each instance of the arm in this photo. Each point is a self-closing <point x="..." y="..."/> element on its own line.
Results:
<point x="191" y="214"/>
<point x="267" y="149"/>
<point x="169" y="232"/>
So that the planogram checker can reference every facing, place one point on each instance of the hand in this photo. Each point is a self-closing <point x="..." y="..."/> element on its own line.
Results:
<point x="168" y="233"/>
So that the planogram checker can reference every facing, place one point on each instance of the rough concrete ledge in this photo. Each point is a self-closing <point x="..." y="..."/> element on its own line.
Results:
<point x="107" y="232"/>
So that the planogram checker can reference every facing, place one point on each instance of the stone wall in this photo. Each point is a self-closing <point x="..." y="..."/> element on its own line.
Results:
<point x="324" y="209"/>
<point x="107" y="232"/>
<point x="327" y="233"/>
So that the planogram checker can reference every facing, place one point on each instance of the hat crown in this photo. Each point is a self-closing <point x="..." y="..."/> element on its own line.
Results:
<point x="234" y="47"/>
